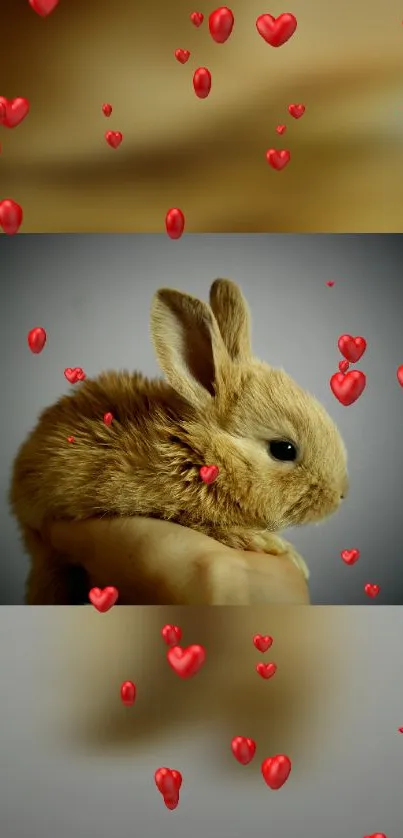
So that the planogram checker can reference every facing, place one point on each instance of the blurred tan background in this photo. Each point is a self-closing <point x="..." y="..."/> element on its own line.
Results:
<point x="344" y="63"/>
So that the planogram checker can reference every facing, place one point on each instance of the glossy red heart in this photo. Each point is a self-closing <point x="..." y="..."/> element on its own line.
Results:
<point x="114" y="138"/>
<point x="276" y="31"/>
<point x="202" y="82"/>
<point x="330" y="283"/>
<point x="168" y="781"/>
<point x="399" y="374"/>
<point x="344" y="365"/>
<point x="71" y="439"/>
<point x="108" y="419"/>
<point x="221" y="24"/>
<point x="43" y="7"/>
<point x="103" y="599"/>
<point x="174" y="223"/>
<point x="296" y="111"/>
<point x="278" y="159"/>
<point x="352" y="348"/>
<point x="182" y="55"/>
<point x="11" y="216"/>
<point x="81" y="376"/>
<point x="74" y="374"/>
<point x="197" y="18"/>
<point x="281" y="128"/>
<point x="262" y="642"/>
<point x="106" y="109"/>
<point x="171" y="634"/>
<point x="350" y="557"/>
<point x="128" y="693"/>
<point x="266" y="670"/>
<point x="348" y="387"/>
<point x="36" y="340"/>
<point x="276" y="771"/>
<point x="186" y="662"/>
<point x="243" y="749"/>
<point x="208" y="474"/>
<point x="372" y="590"/>
<point x="15" y="111"/>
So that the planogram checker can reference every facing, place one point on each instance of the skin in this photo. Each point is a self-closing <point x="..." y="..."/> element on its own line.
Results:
<point x="133" y="552"/>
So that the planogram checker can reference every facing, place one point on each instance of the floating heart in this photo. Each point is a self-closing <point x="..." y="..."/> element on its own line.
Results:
<point x="276" y="31"/>
<point x="221" y="23"/>
<point x="36" y="340"/>
<point x="174" y="223"/>
<point x="400" y="729"/>
<point x="186" y="662"/>
<point x="108" y="419"/>
<point x="74" y="374"/>
<point x="266" y="670"/>
<point x="281" y="128"/>
<point x="182" y="55"/>
<point x="202" y="82"/>
<point x="15" y="111"/>
<point x="71" y="439"/>
<point x="171" y="634"/>
<point x="376" y="835"/>
<point x="352" y="348"/>
<point x="106" y="109"/>
<point x="348" y="387"/>
<point x="168" y="781"/>
<point x="262" y="642"/>
<point x="81" y="376"/>
<point x="11" y="216"/>
<point x="197" y="18"/>
<point x="372" y="590"/>
<point x="344" y="365"/>
<point x="350" y="557"/>
<point x="276" y="771"/>
<point x="43" y="7"/>
<point x="208" y="474"/>
<point x="399" y="374"/>
<point x="103" y="599"/>
<point x="278" y="159"/>
<point x="330" y="283"/>
<point x="114" y="138"/>
<point x="296" y="111"/>
<point x="243" y="749"/>
<point x="128" y="693"/>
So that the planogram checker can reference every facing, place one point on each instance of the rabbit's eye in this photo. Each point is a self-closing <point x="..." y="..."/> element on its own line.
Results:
<point x="282" y="450"/>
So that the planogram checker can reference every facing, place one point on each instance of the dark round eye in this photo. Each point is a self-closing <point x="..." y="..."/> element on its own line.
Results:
<point x="282" y="450"/>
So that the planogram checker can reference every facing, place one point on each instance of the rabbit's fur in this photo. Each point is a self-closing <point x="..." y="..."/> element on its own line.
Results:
<point x="218" y="405"/>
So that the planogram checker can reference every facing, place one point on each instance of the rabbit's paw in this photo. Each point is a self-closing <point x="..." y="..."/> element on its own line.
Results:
<point x="268" y="542"/>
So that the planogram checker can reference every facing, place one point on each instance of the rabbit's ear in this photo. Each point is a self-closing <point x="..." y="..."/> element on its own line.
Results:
<point x="232" y="315"/>
<point x="188" y="345"/>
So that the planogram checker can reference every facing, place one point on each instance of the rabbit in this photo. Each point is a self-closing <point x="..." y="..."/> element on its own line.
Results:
<point x="281" y="459"/>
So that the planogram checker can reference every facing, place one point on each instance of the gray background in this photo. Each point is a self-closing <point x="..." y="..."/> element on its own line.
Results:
<point x="334" y="707"/>
<point x="92" y="294"/>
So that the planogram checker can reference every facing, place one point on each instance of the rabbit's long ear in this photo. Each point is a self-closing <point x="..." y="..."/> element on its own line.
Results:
<point x="189" y="346"/>
<point x="232" y="314"/>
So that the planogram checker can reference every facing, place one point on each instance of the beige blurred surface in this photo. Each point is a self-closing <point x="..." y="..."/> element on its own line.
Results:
<point x="344" y="63"/>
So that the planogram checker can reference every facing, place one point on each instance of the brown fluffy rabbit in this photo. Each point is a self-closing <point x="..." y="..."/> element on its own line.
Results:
<point x="281" y="459"/>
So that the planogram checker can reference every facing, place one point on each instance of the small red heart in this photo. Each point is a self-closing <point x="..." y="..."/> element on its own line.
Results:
<point x="243" y="749"/>
<point x="171" y="634"/>
<point x="43" y="7"/>
<point x="128" y="693"/>
<point x="106" y="109"/>
<point x="197" y="18"/>
<point x="372" y="590"/>
<point x="350" y="557"/>
<point x="202" y="82"/>
<point x="262" y="642"/>
<point x="74" y="375"/>
<point x="352" y="348"/>
<point x="208" y="474"/>
<point x="11" y="216"/>
<point x="108" y="419"/>
<point x="281" y="128"/>
<point x="182" y="55"/>
<point x="276" y="31"/>
<point x="36" y="340"/>
<point x="330" y="283"/>
<point x="174" y="223"/>
<point x="186" y="662"/>
<point x="276" y="771"/>
<point x="114" y="138"/>
<point x="71" y="439"/>
<point x="348" y="387"/>
<point x="376" y="835"/>
<point x="400" y="729"/>
<point x="103" y="599"/>
<point x="168" y="781"/>
<point x="296" y="111"/>
<point x="81" y="376"/>
<point x="399" y="374"/>
<point x="15" y="111"/>
<point x="278" y="159"/>
<point x="221" y="24"/>
<point x="266" y="670"/>
<point x="344" y="365"/>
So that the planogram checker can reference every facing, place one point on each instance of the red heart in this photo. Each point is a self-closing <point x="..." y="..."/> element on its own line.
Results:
<point x="107" y="109"/>
<point x="168" y="781"/>
<point x="262" y="642"/>
<point x="171" y="634"/>
<point x="344" y="365"/>
<point x="208" y="474"/>
<point x="330" y="283"/>
<point x="352" y="348"/>
<point x="197" y="18"/>
<point x="36" y="340"/>
<point x="103" y="599"/>
<point x="174" y="223"/>
<point x="243" y="749"/>
<point x="114" y="138"/>
<point x="376" y="835"/>
<point x="296" y="111"/>
<point x="276" y="771"/>
<point x="81" y="376"/>
<point x="348" y="387"/>
<point x="202" y="82"/>
<point x="276" y="31"/>
<point x="186" y="662"/>
<point x="182" y="55"/>
<point x="350" y="557"/>
<point x="221" y="23"/>
<point x="278" y="159"/>
<point x="266" y="670"/>
<point x="43" y="7"/>
<point x="399" y="373"/>
<point x="128" y="693"/>
<point x="15" y="111"/>
<point x="70" y="439"/>
<point x="372" y="590"/>
<point x="11" y="216"/>
<point x="280" y="129"/>
<point x="108" y="419"/>
<point x="71" y="374"/>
